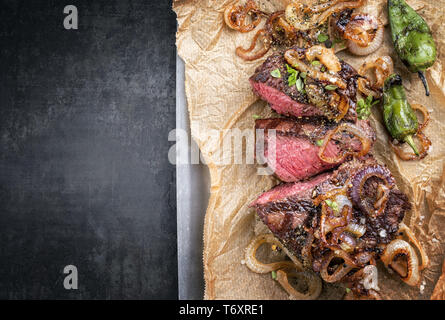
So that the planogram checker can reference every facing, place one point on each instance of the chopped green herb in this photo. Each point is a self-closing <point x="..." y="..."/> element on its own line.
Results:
<point x="303" y="75"/>
<point x="322" y="37"/>
<point x="256" y="116"/>
<point x="276" y="73"/>
<point x="299" y="84"/>
<point x="364" y="107"/>
<point x="315" y="63"/>
<point x="319" y="142"/>
<point x="348" y="290"/>
<point x="337" y="40"/>
<point x="274" y="275"/>
<point x="293" y="74"/>
<point x="323" y="68"/>
<point x="330" y="87"/>
<point x="290" y="69"/>
<point x="332" y="204"/>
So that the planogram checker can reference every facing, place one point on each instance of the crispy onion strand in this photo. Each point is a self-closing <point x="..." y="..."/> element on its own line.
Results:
<point x="285" y="269"/>
<point x="425" y="144"/>
<point x="256" y="266"/>
<point x="266" y="44"/>
<point x="313" y="282"/>
<point x="348" y="127"/>
<point x="293" y="59"/>
<point x="383" y="67"/>
<point x="341" y="270"/>
<point x="357" y="186"/>
<point x="337" y="8"/>
<point x="235" y="16"/>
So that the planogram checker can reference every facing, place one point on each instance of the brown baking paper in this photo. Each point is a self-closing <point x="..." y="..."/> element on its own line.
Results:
<point x="219" y="97"/>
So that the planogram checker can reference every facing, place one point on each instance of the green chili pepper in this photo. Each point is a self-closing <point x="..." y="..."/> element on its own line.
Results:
<point x="400" y="119"/>
<point x="412" y="38"/>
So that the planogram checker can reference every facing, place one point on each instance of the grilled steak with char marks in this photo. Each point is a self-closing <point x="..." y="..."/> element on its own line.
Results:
<point x="297" y="145"/>
<point x="290" y="213"/>
<point x="289" y="101"/>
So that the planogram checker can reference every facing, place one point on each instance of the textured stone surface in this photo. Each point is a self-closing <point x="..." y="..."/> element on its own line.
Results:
<point x="84" y="174"/>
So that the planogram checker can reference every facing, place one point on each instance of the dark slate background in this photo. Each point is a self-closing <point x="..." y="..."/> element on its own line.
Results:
<point x="84" y="175"/>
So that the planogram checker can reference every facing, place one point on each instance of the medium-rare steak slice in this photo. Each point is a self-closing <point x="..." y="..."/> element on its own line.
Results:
<point x="292" y="152"/>
<point x="322" y="218"/>
<point x="313" y="100"/>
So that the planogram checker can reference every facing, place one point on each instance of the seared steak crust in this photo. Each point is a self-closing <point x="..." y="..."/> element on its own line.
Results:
<point x="289" y="212"/>
<point x="288" y="100"/>
<point x="297" y="145"/>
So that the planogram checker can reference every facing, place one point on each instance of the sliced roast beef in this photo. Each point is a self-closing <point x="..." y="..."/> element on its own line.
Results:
<point x="292" y="152"/>
<point x="291" y="214"/>
<point x="289" y="101"/>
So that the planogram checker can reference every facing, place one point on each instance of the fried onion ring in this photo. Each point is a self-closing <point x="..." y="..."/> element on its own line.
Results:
<point x="256" y="266"/>
<point x="235" y="16"/>
<point x="341" y="271"/>
<point x="396" y="249"/>
<point x="425" y="144"/>
<point x="266" y="44"/>
<point x="412" y="238"/>
<point x="312" y="280"/>
<point x="348" y="127"/>
<point x="364" y="33"/>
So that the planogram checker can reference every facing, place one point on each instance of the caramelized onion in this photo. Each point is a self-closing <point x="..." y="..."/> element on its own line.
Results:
<point x="346" y="126"/>
<point x="358" y="182"/>
<point x="412" y="238"/>
<point x="370" y="278"/>
<point x="341" y="271"/>
<point x="356" y="229"/>
<point x="364" y="34"/>
<point x="382" y="199"/>
<point x="330" y="222"/>
<point x="338" y="8"/>
<point x="256" y="266"/>
<point x="395" y="249"/>
<point x="364" y="86"/>
<point x="383" y="67"/>
<point x="293" y="59"/>
<point x="361" y="29"/>
<point x="425" y="114"/>
<point x="425" y="144"/>
<point x="312" y="280"/>
<point x="235" y="16"/>
<point x="326" y="57"/>
<point x="266" y="43"/>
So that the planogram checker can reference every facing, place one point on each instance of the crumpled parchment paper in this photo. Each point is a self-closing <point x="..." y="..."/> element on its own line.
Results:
<point x="219" y="97"/>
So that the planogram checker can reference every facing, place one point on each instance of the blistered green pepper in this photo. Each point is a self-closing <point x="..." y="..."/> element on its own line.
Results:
<point x="412" y="38"/>
<point x="400" y="119"/>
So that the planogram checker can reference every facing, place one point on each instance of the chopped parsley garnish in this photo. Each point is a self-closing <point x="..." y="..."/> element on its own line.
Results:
<point x="322" y="37"/>
<point x="330" y="87"/>
<point x="299" y="84"/>
<point x="332" y="204"/>
<point x="319" y="142"/>
<point x="315" y="63"/>
<point x="293" y="74"/>
<point x="348" y="290"/>
<point x="276" y="73"/>
<point x="256" y="116"/>
<point x="303" y="75"/>
<point x="364" y="107"/>
<point x="274" y="275"/>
